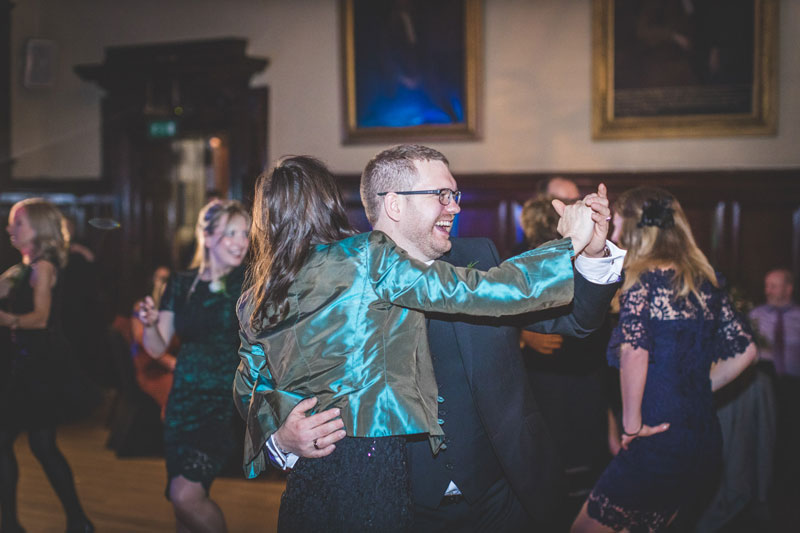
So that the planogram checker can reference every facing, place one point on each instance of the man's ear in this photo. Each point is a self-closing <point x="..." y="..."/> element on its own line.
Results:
<point x="392" y="206"/>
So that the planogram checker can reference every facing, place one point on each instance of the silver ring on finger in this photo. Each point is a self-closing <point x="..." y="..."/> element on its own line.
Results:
<point x="315" y="445"/>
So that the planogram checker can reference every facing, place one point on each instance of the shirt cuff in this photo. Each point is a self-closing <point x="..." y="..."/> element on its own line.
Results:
<point x="602" y="270"/>
<point x="281" y="459"/>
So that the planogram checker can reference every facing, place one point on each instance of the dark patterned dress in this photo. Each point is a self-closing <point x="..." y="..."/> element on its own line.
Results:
<point x="199" y="433"/>
<point x="362" y="486"/>
<point x="644" y="486"/>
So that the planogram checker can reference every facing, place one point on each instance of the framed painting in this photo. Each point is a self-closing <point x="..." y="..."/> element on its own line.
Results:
<point x="411" y="69"/>
<point x="684" y="68"/>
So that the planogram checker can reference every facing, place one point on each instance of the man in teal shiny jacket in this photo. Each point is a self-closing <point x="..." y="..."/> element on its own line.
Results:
<point x="498" y="468"/>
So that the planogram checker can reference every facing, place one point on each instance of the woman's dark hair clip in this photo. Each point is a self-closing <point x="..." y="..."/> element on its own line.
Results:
<point x="657" y="212"/>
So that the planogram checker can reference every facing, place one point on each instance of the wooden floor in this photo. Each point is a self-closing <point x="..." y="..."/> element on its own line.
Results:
<point x="127" y="495"/>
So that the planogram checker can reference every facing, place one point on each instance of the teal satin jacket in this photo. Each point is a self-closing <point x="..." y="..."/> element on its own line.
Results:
<point x="355" y="334"/>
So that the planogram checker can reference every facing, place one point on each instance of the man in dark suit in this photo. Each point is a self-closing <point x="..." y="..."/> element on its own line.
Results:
<point x="499" y="452"/>
<point x="499" y="469"/>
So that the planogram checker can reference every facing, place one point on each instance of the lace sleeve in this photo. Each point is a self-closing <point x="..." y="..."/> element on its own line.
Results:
<point x="634" y="317"/>
<point x="733" y="333"/>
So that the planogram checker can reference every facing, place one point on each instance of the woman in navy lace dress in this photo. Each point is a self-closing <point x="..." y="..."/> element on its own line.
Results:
<point x="678" y="340"/>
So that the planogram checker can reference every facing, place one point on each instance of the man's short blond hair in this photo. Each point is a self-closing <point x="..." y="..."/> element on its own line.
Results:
<point x="393" y="169"/>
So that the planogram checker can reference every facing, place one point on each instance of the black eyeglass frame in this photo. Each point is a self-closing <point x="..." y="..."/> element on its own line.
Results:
<point x="444" y="193"/>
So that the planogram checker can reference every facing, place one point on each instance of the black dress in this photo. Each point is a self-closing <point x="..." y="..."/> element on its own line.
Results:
<point x="33" y="362"/>
<point x="362" y="486"/>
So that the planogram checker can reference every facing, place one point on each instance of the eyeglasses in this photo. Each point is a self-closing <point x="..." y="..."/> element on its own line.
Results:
<point x="444" y="194"/>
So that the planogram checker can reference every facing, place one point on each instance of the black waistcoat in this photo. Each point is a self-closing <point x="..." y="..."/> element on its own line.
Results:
<point x="468" y="459"/>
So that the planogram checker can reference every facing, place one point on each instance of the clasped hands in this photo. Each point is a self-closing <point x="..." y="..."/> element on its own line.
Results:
<point x="586" y="222"/>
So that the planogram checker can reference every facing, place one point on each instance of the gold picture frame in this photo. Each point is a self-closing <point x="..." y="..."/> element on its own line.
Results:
<point x="411" y="70"/>
<point x="720" y="88"/>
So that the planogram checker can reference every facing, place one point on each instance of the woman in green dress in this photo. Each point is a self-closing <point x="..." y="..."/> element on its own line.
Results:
<point x="199" y="306"/>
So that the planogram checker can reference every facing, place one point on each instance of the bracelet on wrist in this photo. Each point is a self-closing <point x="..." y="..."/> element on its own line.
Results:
<point x="626" y="434"/>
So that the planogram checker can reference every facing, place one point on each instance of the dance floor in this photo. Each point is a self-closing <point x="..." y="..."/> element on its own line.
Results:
<point x="127" y="495"/>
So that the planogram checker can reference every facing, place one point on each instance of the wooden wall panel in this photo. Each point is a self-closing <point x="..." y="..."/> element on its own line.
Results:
<point x="746" y="221"/>
<point x="702" y="217"/>
<point x="766" y="236"/>
<point x="5" y="91"/>
<point x="484" y="220"/>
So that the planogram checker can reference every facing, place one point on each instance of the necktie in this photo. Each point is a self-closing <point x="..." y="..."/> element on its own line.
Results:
<point x="778" y="343"/>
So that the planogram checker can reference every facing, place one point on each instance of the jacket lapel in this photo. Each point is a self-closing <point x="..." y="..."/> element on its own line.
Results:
<point x="463" y="332"/>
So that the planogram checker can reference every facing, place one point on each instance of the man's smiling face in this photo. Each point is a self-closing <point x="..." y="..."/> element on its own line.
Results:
<point x="426" y="223"/>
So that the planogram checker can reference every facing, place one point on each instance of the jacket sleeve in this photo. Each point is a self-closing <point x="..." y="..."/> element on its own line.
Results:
<point x="251" y="383"/>
<point x="585" y="315"/>
<point x="538" y="279"/>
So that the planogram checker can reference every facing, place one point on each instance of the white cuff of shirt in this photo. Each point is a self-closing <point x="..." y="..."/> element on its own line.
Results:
<point x="602" y="270"/>
<point x="283" y="460"/>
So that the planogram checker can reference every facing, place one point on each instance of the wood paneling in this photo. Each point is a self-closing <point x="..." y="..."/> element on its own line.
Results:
<point x="746" y="221"/>
<point x="765" y="239"/>
<point x="5" y="91"/>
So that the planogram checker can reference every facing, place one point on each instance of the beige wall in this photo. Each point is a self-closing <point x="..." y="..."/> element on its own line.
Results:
<point x="536" y="86"/>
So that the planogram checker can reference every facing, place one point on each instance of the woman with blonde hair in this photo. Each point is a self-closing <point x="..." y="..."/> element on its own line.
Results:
<point x="678" y="340"/>
<point x="199" y="306"/>
<point x="31" y="381"/>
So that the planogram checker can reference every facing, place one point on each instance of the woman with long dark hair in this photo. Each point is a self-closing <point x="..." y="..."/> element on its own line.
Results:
<point x="338" y="316"/>
<point x="199" y="306"/>
<point x="678" y="339"/>
<point x="30" y="378"/>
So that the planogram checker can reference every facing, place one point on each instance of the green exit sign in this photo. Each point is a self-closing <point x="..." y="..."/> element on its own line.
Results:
<point x="162" y="129"/>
